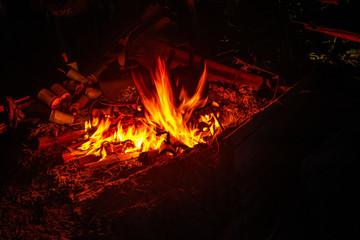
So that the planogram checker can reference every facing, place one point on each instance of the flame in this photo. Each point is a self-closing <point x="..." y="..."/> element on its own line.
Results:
<point x="95" y="145"/>
<point x="162" y="112"/>
<point x="142" y="138"/>
<point x="210" y="120"/>
<point x="162" y="109"/>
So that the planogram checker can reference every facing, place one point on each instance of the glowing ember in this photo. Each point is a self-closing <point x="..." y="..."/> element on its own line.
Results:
<point x="133" y="138"/>
<point x="162" y="113"/>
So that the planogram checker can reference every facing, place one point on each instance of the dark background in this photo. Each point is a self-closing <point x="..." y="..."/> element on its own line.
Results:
<point x="259" y="32"/>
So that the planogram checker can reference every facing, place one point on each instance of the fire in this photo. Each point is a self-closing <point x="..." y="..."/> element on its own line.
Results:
<point x="162" y="113"/>
<point x="143" y="138"/>
<point x="133" y="138"/>
<point x="162" y="110"/>
<point x="211" y="120"/>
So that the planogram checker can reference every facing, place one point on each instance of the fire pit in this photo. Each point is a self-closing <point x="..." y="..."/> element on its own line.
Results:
<point x="154" y="146"/>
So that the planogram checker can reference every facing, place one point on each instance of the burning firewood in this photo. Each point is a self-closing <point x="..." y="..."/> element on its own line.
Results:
<point x="68" y="157"/>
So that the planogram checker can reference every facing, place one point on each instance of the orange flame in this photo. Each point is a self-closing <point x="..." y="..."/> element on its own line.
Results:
<point x="162" y="109"/>
<point x="142" y="138"/>
<point x="162" y="112"/>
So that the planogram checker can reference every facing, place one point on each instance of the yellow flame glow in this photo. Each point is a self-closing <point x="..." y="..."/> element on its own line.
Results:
<point x="162" y="109"/>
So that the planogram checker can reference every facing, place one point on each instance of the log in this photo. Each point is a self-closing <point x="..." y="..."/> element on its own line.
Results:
<point x="149" y="157"/>
<point x="35" y="109"/>
<point x="70" y="153"/>
<point x="336" y="2"/>
<point x="351" y="36"/>
<point x="16" y="101"/>
<point x="113" y="159"/>
<point x="48" y="141"/>
<point x="67" y="156"/>
<point x="216" y="72"/>
<point x="220" y="73"/>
